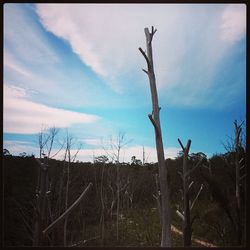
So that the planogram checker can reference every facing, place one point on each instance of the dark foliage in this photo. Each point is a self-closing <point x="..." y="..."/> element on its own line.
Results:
<point x="139" y="219"/>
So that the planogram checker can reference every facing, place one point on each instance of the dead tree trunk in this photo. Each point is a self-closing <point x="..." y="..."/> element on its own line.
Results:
<point x="187" y="207"/>
<point x="40" y="212"/>
<point x="155" y="119"/>
<point x="237" y="181"/>
<point x="187" y="233"/>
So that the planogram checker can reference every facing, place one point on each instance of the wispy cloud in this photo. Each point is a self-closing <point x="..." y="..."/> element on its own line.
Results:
<point x="188" y="47"/>
<point x="26" y="117"/>
<point x="87" y="155"/>
<point x="233" y="26"/>
<point x="11" y="63"/>
<point x="27" y="41"/>
<point x="18" y="147"/>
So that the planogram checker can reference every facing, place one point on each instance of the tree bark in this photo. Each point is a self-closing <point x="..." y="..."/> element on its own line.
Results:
<point x="69" y="210"/>
<point x="155" y="119"/>
<point x="237" y="182"/>
<point x="187" y="231"/>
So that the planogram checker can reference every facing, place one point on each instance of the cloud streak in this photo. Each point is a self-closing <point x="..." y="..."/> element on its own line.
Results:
<point x="86" y="154"/>
<point x="27" y="117"/>
<point x="192" y="40"/>
<point x="233" y="25"/>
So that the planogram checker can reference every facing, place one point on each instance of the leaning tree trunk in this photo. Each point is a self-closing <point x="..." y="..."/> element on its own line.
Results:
<point x="155" y="119"/>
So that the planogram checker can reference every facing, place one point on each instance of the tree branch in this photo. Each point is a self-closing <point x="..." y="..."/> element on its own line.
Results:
<point x="197" y="165"/>
<point x="154" y="124"/>
<point x="69" y="210"/>
<point x="188" y="146"/>
<point x="181" y="144"/>
<point x="146" y="57"/>
<point x="196" y="197"/>
<point x="180" y="214"/>
<point x="242" y="177"/>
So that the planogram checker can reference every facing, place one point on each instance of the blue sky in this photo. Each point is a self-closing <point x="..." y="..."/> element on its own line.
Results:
<point x="78" y="67"/>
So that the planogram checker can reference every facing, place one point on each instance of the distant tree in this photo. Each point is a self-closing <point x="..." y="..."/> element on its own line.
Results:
<point x="6" y="152"/>
<point x="135" y="161"/>
<point x="23" y="154"/>
<point x="101" y="159"/>
<point x="187" y="184"/>
<point x="46" y="141"/>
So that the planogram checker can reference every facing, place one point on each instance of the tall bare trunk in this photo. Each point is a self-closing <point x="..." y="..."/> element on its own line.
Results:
<point x="66" y="197"/>
<point x="155" y="119"/>
<point x="103" y="207"/>
<point x="237" y="182"/>
<point x="187" y="233"/>
<point x="118" y="202"/>
<point x="40" y="217"/>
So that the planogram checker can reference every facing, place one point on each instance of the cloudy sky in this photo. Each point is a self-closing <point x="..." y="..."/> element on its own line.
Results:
<point x="77" y="67"/>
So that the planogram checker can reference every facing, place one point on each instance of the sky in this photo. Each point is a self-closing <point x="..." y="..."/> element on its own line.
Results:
<point x="77" y="67"/>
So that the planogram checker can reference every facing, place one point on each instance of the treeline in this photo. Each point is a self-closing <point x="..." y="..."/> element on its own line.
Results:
<point x="124" y="213"/>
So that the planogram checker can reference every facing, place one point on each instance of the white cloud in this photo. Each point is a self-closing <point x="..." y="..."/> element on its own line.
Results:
<point x="26" y="117"/>
<point x="233" y="25"/>
<point x="126" y="153"/>
<point x="26" y="40"/>
<point x="11" y="63"/>
<point x="187" y="47"/>
<point x="17" y="147"/>
<point x="86" y="154"/>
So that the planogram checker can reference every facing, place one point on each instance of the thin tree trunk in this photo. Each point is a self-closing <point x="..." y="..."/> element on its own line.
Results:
<point x="187" y="233"/>
<point x="102" y="204"/>
<point x="118" y="202"/>
<point x="66" y="200"/>
<point x="40" y="207"/>
<point x="155" y="119"/>
<point x="237" y="182"/>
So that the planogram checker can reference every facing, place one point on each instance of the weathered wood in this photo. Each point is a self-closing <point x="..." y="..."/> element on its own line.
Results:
<point x="155" y="119"/>
<point x="69" y="210"/>
<point x="238" y="130"/>
<point x="187" y="231"/>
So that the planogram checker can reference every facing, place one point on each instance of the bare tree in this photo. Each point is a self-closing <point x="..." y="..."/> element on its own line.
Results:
<point x="69" y="159"/>
<point x="238" y="179"/>
<point x="155" y="119"/>
<point x="187" y="184"/>
<point x="114" y="152"/>
<point x="46" y="139"/>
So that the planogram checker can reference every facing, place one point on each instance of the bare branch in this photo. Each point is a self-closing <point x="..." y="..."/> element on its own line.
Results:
<point x="197" y="165"/>
<point x="75" y="155"/>
<point x="69" y="210"/>
<point x="242" y="177"/>
<point x="180" y="214"/>
<point x="146" y="57"/>
<point x="145" y="71"/>
<point x="241" y="160"/>
<point x="154" y="124"/>
<point x="181" y="144"/>
<point x="196" y="196"/>
<point x="242" y="167"/>
<point x="190" y="185"/>
<point x="188" y="146"/>
<point x="58" y="150"/>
